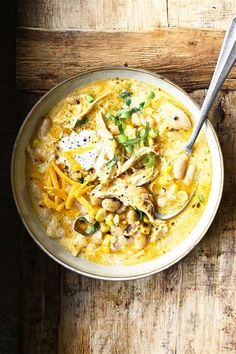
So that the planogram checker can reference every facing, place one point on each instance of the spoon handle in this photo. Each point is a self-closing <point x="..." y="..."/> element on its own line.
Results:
<point x="226" y="60"/>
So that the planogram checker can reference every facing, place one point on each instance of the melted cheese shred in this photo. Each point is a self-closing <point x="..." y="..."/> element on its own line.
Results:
<point x="56" y="187"/>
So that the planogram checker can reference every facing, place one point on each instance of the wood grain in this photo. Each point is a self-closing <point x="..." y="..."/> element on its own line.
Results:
<point x="201" y="13"/>
<point x="187" y="309"/>
<point x="126" y="15"/>
<point x="93" y="15"/>
<point x="45" y="58"/>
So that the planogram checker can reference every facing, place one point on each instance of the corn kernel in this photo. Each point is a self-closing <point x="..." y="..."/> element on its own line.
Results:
<point x="145" y="230"/>
<point x="104" y="228"/>
<point x="100" y="215"/>
<point x="168" y="170"/>
<point x="106" y="244"/>
<point x="145" y="219"/>
<point x="109" y="220"/>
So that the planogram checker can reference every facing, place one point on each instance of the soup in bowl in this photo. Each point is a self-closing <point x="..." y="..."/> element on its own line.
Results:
<point x="105" y="151"/>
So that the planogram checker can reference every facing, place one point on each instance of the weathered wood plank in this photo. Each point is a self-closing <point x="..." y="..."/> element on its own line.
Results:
<point x="93" y="15"/>
<point x="126" y="15"/>
<point x="44" y="58"/>
<point x="124" y="317"/>
<point x="9" y="251"/>
<point x="201" y="13"/>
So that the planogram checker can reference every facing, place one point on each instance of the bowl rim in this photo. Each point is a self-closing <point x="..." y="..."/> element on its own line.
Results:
<point x="44" y="248"/>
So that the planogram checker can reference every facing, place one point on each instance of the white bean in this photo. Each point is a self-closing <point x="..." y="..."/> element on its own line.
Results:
<point x="180" y="166"/>
<point x="131" y="216"/>
<point x="111" y="205"/>
<point x="95" y="201"/>
<point x="140" y="242"/>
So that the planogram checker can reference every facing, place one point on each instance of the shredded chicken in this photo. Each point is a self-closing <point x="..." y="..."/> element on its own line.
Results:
<point x="129" y="195"/>
<point x="103" y="171"/>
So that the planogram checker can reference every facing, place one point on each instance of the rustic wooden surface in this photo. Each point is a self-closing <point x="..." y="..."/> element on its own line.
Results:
<point x="74" y="52"/>
<point x="189" y="308"/>
<point x="9" y="250"/>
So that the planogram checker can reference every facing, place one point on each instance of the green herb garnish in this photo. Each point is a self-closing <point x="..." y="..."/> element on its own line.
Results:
<point x="141" y="105"/>
<point x="201" y="198"/>
<point x="143" y="133"/>
<point x="124" y="113"/>
<point x="128" y="101"/>
<point x="109" y="116"/>
<point x="89" y="98"/>
<point x="151" y="95"/>
<point x="132" y="141"/>
<point x="125" y="94"/>
<point x="122" y="138"/>
<point x="149" y="160"/>
<point x="113" y="161"/>
<point x="80" y="122"/>
<point x="129" y="149"/>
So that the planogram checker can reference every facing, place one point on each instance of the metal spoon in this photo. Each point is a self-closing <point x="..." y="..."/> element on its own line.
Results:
<point x="226" y="60"/>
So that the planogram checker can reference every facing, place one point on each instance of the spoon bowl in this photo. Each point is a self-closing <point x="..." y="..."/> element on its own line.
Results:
<point x="226" y="60"/>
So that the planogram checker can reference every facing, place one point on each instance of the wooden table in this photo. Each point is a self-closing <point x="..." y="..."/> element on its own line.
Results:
<point x="191" y="307"/>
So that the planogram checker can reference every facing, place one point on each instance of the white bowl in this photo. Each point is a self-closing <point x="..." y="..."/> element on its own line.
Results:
<point x="31" y="220"/>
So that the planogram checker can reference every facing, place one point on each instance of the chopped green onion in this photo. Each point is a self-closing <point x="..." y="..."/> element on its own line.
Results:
<point x="143" y="133"/>
<point x="122" y="138"/>
<point x="132" y="141"/>
<point x="89" y="98"/>
<point x="80" y="122"/>
<point x="135" y="109"/>
<point x="125" y="94"/>
<point x="128" y="101"/>
<point x="149" y="160"/>
<point x="129" y="149"/>
<point x="121" y="126"/>
<point x="151" y="95"/>
<point x="201" y="198"/>
<point x="109" y="116"/>
<point x="141" y="105"/>
<point x="113" y="161"/>
<point x="124" y="113"/>
<point x="142" y="143"/>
